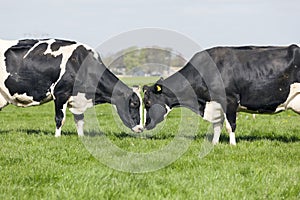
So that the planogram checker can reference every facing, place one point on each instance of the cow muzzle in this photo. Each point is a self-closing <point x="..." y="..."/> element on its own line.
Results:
<point x="154" y="116"/>
<point x="138" y="128"/>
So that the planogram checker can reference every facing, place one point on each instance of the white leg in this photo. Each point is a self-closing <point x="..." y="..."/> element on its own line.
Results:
<point x="232" y="138"/>
<point x="227" y="125"/>
<point x="79" y="127"/>
<point x="79" y="122"/>
<point x="231" y="134"/>
<point x="217" y="132"/>
<point x="58" y="132"/>
<point x="58" y="129"/>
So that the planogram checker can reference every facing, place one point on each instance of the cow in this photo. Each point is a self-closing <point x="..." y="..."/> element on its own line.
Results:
<point x="36" y="71"/>
<point x="219" y="82"/>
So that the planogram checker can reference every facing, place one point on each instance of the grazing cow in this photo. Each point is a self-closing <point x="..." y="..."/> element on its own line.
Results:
<point x="219" y="82"/>
<point x="33" y="72"/>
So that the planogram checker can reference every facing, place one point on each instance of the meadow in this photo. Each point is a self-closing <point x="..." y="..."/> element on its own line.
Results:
<point x="34" y="164"/>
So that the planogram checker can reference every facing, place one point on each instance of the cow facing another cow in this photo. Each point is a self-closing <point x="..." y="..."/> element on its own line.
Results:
<point x="215" y="83"/>
<point x="219" y="82"/>
<point x="33" y="72"/>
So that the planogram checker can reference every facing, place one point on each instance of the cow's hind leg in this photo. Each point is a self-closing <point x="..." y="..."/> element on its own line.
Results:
<point x="79" y="121"/>
<point x="60" y="115"/>
<point x="231" y="123"/>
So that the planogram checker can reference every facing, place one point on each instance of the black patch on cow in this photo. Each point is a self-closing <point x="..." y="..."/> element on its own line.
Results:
<point x="26" y="43"/>
<point x="60" y="43"/>
<point x="33" y="74"/>
<point x="67" y="82"/>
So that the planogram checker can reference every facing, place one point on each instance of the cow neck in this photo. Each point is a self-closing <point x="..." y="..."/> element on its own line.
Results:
<point x="116" y="90"/>
<point x="181" y="91"/>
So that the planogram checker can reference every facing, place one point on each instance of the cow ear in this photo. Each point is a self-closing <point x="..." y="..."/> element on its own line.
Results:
<point x="158" y="88"/>
<point x="145" y="88"/>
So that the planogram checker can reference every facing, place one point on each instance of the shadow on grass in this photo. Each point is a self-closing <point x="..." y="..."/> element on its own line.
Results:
<point x="4" y="131"/>
<point x="280" y="138"/>
<point x="224" y="138"/>
<point x="45" y="132"/>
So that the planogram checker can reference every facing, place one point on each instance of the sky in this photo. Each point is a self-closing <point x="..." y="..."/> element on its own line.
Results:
<point x="207" y="22"/>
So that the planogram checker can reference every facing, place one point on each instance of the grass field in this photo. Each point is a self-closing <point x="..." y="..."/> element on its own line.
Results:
<point x="34" y="164"/>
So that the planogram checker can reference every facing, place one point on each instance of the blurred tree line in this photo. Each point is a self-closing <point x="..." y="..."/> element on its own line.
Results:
<point x="145" y="59"/>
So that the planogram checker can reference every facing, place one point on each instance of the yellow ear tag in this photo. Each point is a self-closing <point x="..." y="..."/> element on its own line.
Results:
<point x="158" y="88"/>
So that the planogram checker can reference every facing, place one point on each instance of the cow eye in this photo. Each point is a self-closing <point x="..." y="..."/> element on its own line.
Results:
<point x="134" y="104"/>
<point x="148" y="104"/>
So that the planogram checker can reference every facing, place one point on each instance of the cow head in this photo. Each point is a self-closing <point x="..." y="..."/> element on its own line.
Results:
<point x="129" y="108"/>
<point x="156" y="104"/>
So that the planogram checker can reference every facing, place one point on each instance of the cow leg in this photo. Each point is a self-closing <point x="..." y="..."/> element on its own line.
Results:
<point x="79" y="121"/>
<point x="214" y="113"/>
<point x="231" y="120"/>
<point x="3" y="102"/>
<point x="60" y="116"/>
<point x="217" y="132"/>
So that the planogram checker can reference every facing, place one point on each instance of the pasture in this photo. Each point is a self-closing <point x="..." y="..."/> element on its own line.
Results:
<point x="34" y="164"/>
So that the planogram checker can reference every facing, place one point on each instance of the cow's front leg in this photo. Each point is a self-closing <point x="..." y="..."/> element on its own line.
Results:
<point x="213" y="113"/>
<point x="79" y="121"/>
<point x="60" y="116"/>
<point x="217" y="127"/>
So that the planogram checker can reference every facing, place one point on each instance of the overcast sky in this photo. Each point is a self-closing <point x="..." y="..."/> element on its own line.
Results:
<point x="208" y="22"/>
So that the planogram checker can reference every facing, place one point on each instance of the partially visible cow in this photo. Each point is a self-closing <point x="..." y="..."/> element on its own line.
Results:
<point x="33" y="72"/>
<point x="219" y="82"/>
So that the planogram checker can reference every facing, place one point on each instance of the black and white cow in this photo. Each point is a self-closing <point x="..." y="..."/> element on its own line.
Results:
<point x="33" y="72"/>
<point x="219" y="82"/>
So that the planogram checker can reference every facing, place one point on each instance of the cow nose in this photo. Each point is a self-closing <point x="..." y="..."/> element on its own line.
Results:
<point x="138" y="128"/>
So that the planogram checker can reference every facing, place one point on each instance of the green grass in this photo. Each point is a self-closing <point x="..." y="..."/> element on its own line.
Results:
<point x="36" y="165"/>
<point x="140" y="80"/>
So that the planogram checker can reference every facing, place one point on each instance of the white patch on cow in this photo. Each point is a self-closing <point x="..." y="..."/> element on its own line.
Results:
<point x="3" y="101"/>
<point x="78" y="104"/>
<point x="79" y="127"/>
<point x="58" y="130"/>
<point x="293" y="99"/>
<point x="145" y="116"/>
<point x="136" y="90"/>
<point x="138" y="128"/>
<point x="64" y="110"/>
<point x="4" y="45"/>
<point x="168" y="111"/>
<point x="227" y="125"/>
<point x="243" y="109"/>
<point x="213" y="112"/>
<point x="32" y="48"/>
<point x="65" y="51"/>
<point x="217" y="127"/>
<point x="232" y="140"/>
<point x="24" y="100"/>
